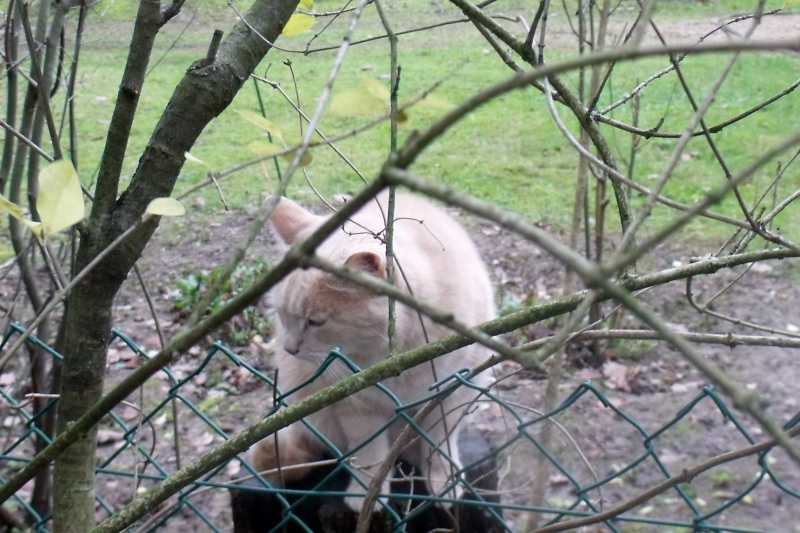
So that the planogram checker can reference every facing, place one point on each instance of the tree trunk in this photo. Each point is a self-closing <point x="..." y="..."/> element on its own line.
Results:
<point x="204" y="92"/>
<point x="88" y="329"/>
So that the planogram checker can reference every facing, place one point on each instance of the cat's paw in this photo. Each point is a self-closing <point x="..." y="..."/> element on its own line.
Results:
<point x="284" y="467"/>
<point x="358" y="495"/>
<point x="265" y="460"/>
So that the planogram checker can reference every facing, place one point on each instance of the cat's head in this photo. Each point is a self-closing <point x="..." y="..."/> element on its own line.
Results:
<point x="319" y="311"/>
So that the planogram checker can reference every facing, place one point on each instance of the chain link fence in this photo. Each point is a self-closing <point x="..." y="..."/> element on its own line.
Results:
<point x="582" y="448"/>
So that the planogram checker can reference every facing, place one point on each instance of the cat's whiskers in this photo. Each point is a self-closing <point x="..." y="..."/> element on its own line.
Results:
<point x="337" y="371"/>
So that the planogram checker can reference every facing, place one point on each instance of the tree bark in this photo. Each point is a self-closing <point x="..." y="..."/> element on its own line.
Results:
<point x="204" y="92"/>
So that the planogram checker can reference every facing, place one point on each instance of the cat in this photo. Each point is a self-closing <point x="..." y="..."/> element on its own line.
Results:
<point x="318" y="312"/>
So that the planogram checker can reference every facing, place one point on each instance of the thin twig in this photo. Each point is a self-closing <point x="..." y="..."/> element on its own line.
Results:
<point x="597" y="277"/>
<point x="37" y="75"/>
<point x="729" y="340"/>
<point x="59" y="296"/>
<point x="654" y="133"/>
<point x="442" y="317"/>
<point x="30" y="144"/>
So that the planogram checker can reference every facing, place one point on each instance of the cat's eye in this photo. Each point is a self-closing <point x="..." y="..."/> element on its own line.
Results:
<point x="315" y="322"/>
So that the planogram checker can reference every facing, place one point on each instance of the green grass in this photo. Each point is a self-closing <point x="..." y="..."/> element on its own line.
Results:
<point x="507" y="152"/>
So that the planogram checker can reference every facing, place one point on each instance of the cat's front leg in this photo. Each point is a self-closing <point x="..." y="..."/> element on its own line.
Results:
<point x="279" y="457"/>
<point x="441" y="472"/>
<point x="440" y="463"/>
<point x="366" y="462"/>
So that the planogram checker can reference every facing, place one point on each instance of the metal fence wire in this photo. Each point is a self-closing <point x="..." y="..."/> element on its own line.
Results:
<point x="140" y="446"/>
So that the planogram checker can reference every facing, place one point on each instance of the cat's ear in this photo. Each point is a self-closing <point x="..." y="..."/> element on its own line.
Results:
<point x="289" y="219"/>
<point x="368" y="263"/>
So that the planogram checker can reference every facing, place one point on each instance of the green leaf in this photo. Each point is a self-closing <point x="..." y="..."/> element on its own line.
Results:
<point x="306" y="5"/>
<point x="60" y="200"/>
<point x="298" y="23"/>
<point x="165" y="207"/>
<point x="266" y="125"/>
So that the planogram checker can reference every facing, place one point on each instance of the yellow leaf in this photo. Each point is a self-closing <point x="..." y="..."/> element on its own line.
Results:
<point x="165" y="207"/>
<point x="11" y="208"/>
<point x="264" y="148"/>
<point x="36" y="228"/>
<point x="316" y="139"/>
<point x="266" y="125"/>
<point x="189" y="157"/>
<point x="304" y="161"/>
<point x="298" y="23"/>
<point x="376" y="88"/>
<point x="60" y="200"/>
<point x="358" y="103"/>
<point x="16" y="211"/>
<point x="435" y="102"/>
<point x="307" y="157"/>
<point x="370" y="102"/>
<point x="306" y="5"/>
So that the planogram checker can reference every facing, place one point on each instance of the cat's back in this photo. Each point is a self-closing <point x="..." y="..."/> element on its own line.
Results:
<point x="436" y="255"/>
<point x="419" y="225"/>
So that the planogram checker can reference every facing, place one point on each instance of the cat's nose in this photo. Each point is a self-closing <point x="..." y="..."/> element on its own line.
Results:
<point x="291" y="348"/>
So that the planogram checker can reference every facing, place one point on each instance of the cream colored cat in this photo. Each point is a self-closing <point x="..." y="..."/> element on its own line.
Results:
<point x="318" y="312"/>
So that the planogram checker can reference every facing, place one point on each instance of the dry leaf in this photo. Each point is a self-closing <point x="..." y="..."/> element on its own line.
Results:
<point x="108" y="436"/>
<point x="129" y="413"/>
<point x="203" y="441"/>
<point x="232" y="469"/>
<point x="585" y="374"/>
<point x="616" y="375"/>
<point x="11" y="421"/>
<point x="761" y="268"/>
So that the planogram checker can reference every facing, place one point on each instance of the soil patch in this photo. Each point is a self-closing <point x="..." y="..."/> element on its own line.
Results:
<point x="647" y="381"/>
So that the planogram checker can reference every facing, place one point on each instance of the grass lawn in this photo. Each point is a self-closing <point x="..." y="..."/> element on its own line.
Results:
<point x="508" y="152"/>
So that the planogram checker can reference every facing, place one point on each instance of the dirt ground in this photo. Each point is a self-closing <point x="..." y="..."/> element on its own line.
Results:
<point x="645" y="380"/>
<point x="638" y="389"/>
<point x="641" y="388"/>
